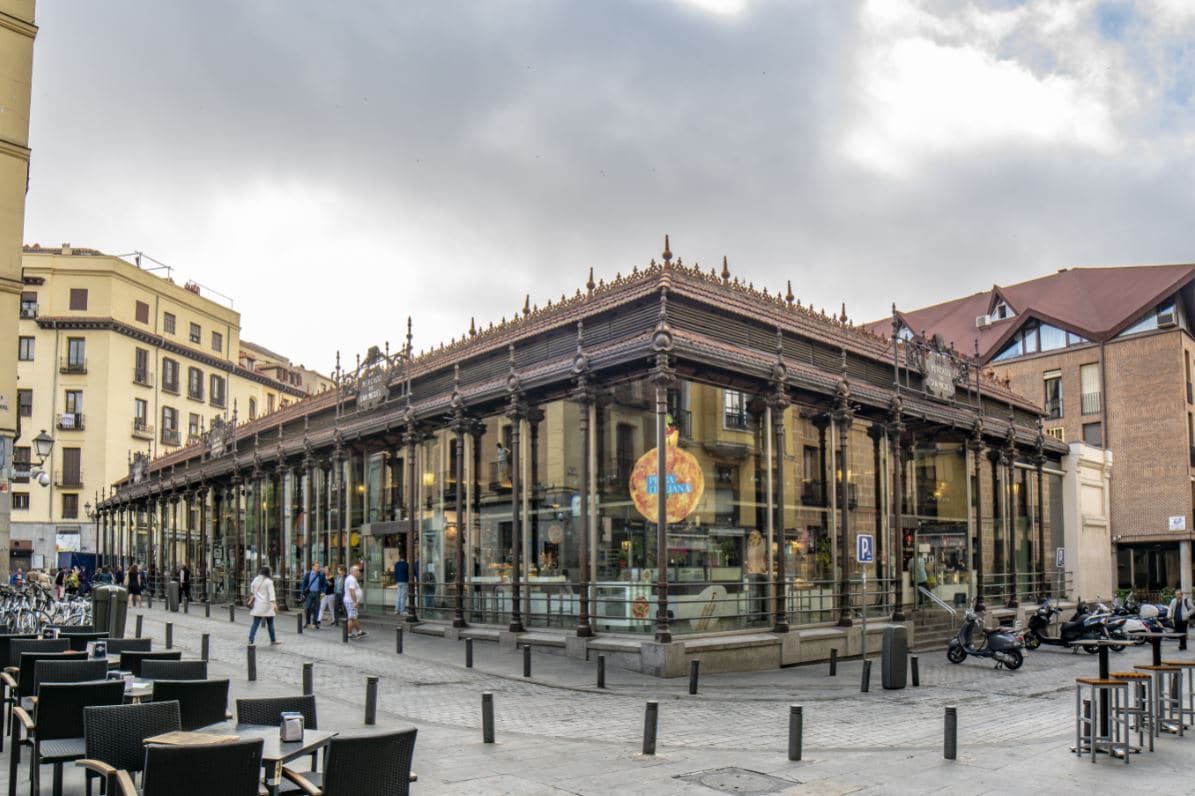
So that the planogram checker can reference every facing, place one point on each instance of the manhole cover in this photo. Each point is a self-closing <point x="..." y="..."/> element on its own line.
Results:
<point x="739" y="781"/>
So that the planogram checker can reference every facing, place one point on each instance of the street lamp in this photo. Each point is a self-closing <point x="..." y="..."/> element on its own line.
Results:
<point x="43" y="443"/>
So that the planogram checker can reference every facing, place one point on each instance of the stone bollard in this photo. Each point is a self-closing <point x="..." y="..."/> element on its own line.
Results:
<point x="487" y="717"/>
<point x="796" y="722"/>
<point x="651" y="718"/>
<point x="251" y="662"/>
<point x="371" y="700"/>
<point x="308" y="679"/>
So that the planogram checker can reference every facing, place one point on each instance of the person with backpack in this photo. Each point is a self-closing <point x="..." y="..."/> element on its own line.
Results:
<point x="311" y="592"/>
<point x="329" y="601"/>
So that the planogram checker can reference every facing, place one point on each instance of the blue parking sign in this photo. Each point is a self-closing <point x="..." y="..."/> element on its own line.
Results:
<point x="865" y="548"/>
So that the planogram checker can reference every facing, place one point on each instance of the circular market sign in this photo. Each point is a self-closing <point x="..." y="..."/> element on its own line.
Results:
<point x="684" y="482"/>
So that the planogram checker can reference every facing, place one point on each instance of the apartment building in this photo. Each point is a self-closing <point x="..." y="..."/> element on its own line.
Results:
<point x="1107" y="353"/>
<point x="114" y="359"/>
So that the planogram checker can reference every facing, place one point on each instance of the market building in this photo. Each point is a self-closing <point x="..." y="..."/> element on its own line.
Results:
<point x="113" y="359"/>
<point x="1108" y="354"/>
<point x="525" y="468"/>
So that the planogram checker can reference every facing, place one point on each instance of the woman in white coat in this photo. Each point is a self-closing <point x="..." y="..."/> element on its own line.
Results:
<point x="262" y="604"/>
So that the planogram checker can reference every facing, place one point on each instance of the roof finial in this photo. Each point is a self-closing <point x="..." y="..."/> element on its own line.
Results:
<point x="589" y="285"/>
<point x="409" y="350"/>
<point x="788" y="297"/>
<point x="472" y="326"/>
<point x="667" y="255"/>
<point x="725" y="270"/>
<point x="527" y="304"/>
<point x="842" y="317"/>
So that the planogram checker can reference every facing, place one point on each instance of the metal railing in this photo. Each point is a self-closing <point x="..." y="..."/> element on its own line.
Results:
<point x="70" y="421"/>
<point x="1053" y="408"/>
<point x="170" y="436"/>
<point x="142" y="429"/>
<point x="143" y="377"/>
<point x="68" y="478"/>
<point x="72" y="365"/>
<point x="1091" y="403"/>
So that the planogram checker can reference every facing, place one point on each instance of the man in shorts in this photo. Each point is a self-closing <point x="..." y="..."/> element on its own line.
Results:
<point x="352" y="598"/>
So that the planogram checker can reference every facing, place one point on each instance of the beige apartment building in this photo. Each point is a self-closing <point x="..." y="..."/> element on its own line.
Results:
<point x="17" y="33"/>
<point x="1108" y="354"/>
<point x="112" y="360"/>
<point x="260" y="359"/>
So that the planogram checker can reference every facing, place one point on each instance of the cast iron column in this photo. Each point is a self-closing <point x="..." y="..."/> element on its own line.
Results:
<point x="585" y="398"/>
<point x="896" y="430"/>
<point x="1039" y="461"/>
<point x="844" y="416"/>
<point x="878" y="433"/>
<point x="515" y="414"/>
<point x="188" y="497"/>
<point x="478" y="431"/>
<point x="1009" y="456"/>
<point x="163" y="553"/>
<point x="975" y="445"/>
<point x="410" y="437"/>
<point x="238" y="535"/>
<point x="778" y="403"/>
<point x="460" y="424"/>
<point x="204" y="553"/>
<point x="284" y="543"/>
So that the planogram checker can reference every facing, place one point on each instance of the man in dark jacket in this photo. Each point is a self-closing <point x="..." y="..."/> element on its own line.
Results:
<point x="311" y="590"/>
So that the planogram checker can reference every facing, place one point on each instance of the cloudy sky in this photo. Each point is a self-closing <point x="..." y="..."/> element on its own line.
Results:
<point x="335" y="167"/>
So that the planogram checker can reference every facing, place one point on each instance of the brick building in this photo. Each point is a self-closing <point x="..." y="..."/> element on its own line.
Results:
<point x="1107" y="352"/>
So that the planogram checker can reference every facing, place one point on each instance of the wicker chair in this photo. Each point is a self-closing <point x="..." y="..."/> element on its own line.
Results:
<point x="268" y="712"/>
<point x="5" y="638"/>
<point x="79" y="638"/>
<point x="18" y="647"/>
<point x="115" y="736"/>
<point x="55" y="730"/>
<point x="173" y="670"/>
<point x="228" y="769"/>
<point x="19" y="683"/>
<point x="119" y="646"/>
<point x="201" y="703"/>
<point x="364" y="765"/>
<point x="68" y="670"/>
<point x="131" y="661"/>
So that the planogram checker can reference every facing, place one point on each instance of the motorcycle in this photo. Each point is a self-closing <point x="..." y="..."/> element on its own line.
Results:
<point x="1001" y="644"/>
<point x="1083" y="626"/>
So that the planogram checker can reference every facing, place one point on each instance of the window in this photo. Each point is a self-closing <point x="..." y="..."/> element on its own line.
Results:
<point x="1057" y="432"/>
<point x="252" y="408"/>
<point x="72" y="467"/>
<point x="1053" y="394"/>
<point x="169" y="375"/>
<point x="76" y="355"/>
<point x="141" y="312"/>
<point x="734" y="409"/>
<point x="217" y="390"/>
<point x="169" y="425"/>
<point x="78" y="298"/>
<point x="1051" y="337"/>
<point x="1001" y="311"/>
<point x="195" y="384"/>
<point x="1089" y="386"/>
<point x="193" y="427"/>
<point x="140" y="414"/>
<point x="25" y="349"/>
<point x="217" y="342"/>
<point x="70" y="506"/>
<point x="22" y="462"/>
<point x="1092" y="435"/>
<point x="28" y="305"/>
<point x="1190" y="392"/>
<point x="25" y="403"/>
<point x="168" y="322"/>
<point x="141" y="366"/>
<point x="20" y="501"/>
<point x="74" y="401"/>
<point x="196" y="334"/>
<point x="270" y="404"/>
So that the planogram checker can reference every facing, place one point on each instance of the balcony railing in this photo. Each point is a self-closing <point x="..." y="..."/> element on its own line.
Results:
<point x="1053" y="408"/>
<point x="143" y="377"/>
<point x="72" y="365"/>
<point x="737" y="420"/>
<point x="1092" y="403"/>
<point x="69" y="478"/>
<point x="170" y="387"/>
<point x="28" y="310"/>
<point x="813" y="493"/>
<point x="142" y="430"/>
<point x="70" y="421"/>
<point x="195" y="395"/>
<point x="170" y="436"/>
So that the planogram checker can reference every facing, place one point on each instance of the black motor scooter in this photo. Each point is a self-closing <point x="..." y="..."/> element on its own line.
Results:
<point x="1078" y="628"/>
<point x="1002" y="644"/>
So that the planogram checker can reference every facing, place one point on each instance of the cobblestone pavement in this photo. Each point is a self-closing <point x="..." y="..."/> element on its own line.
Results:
<point x="560" y="734"/>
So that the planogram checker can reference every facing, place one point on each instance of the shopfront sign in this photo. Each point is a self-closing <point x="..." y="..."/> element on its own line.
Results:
<point x="865" y="548"/>
<point x="1178" y="523"/>
<point x="939" y="375"/>
<point x="684" y="483"/>
<point x="374" y="389"/>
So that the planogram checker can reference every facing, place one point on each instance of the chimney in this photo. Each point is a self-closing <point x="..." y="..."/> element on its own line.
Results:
<point x="66" y="249"/>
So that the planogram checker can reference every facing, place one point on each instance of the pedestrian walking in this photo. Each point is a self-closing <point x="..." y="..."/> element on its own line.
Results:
<point x="72" y="581"/>
<point x="402" y="582"/>
<point x="352" y="599"/>
<point x="59" y="583"/>
<point x="134" y="578"/>
<point x="328" y="603"/>
<point x="262" y="604"/>
<point x="338" y="607"/>
<point x="103" y="577"/>
<point x="1180" y="613"/>
<point x="184" y="582"/>
<point x="311" y="592"/>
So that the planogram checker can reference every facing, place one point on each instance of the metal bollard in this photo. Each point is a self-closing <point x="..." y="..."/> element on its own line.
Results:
<point x="398" y="640"/>
<point x="601" y="674"/>
<point x="140" y="617"/>
<point x="204" y="642"/>
<point x="169" y="635"/>
<point x="526" y="660"/>
<point x="232" y="613"/>
<point x="371" y="700"/>
<point x="865" y="686"/>
<point x="950" y="747"/>
<point x="186" y="606"/>
<point x="149" y="600"/>
<point x="651" y="718"/>
<point x="308" y="679"/>
<point x="796" y="722"/>
<point x="487" y="717"/>
<point x="693" y="668"/>
<point x="251" y="660"/>
<point x="916" y="670"/>
<point x="468" y="653"/>
<point x="207" y="610"/>
<point x="833" y="661"/>
<point x="344" y="632"/>
<point x="299" y="623"/>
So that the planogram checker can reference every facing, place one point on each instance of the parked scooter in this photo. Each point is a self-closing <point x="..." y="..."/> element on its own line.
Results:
<point x="1081" y="627"/>
<point x="1002" y="644"/>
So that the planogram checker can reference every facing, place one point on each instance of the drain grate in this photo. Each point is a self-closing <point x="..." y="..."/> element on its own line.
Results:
<point x="738" y="781"/>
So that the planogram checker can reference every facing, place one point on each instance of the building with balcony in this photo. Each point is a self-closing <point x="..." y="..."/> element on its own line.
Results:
<point x="1107" y="353"/>
<point x="112" y="360"/>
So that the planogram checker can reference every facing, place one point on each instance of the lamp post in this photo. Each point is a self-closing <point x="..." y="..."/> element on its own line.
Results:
<point x="91" y="513"/>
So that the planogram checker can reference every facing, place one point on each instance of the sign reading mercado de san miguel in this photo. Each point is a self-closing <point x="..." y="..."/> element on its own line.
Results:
<point x="684" y="484"/>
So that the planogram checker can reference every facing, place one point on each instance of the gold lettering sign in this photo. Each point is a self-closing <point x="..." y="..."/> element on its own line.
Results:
<point x="684" y="482"/>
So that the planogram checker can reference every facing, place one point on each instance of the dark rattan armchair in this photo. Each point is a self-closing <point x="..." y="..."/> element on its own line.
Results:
<point x="68" y="670"/>
<point x="201" y="703"/>
<point x="19" y="683"/>
<point x="268" y="712"/>
<point x="55" y="730"/>
<point x="115" y="736"/>
<point x="174" y="670"/>
<point x="119" y="646"/>
<point x="131" y="660"/>
<point x="226" y="769"/>
<point x="364" y="765"/>
<point x="79" y="638"/>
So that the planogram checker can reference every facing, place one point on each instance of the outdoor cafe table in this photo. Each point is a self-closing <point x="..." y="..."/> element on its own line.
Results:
<point x="1155" y="641"/>
<point x="1105" y="696"/>
<point x="274" y="753"/>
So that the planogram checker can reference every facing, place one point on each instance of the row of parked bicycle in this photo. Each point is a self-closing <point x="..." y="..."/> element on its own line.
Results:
<point x="30" y="608"/>
<point x="1125" y="621"/>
